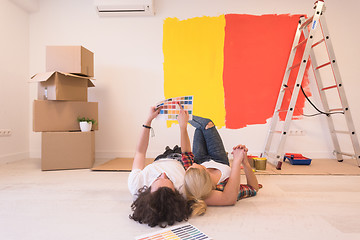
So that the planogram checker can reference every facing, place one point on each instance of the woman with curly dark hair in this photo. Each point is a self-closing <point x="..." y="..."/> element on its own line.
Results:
<point x="157" y="188"/>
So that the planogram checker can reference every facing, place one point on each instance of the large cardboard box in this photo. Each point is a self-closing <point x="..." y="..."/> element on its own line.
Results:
<point x="67" y="150"/>
<point x="62" y="86"/>
<point x="61" y="116"/>
<point x="71" y="59"/>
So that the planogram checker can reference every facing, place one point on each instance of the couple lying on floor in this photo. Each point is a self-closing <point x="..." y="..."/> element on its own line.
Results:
<point x="182" y="181"/>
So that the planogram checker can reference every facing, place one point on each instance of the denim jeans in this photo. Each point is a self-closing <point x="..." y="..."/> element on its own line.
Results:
<point x="207" y="143"/>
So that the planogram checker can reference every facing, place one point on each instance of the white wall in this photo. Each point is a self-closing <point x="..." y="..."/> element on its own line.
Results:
<point x="14" y="89"/>
<point x="129" y="67"/>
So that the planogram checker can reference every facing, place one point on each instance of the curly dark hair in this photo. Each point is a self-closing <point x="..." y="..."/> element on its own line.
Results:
<point x="162" y="207"/>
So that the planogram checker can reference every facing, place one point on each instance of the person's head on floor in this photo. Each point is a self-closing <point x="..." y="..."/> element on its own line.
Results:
<point x="198" y="186"/>
<point x="162" y="207"/>
<point x="162" y="181"/>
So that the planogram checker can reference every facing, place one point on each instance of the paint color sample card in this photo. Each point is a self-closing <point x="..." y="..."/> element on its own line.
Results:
<point x="170" y="109"/>
<point x="184" y="232"/>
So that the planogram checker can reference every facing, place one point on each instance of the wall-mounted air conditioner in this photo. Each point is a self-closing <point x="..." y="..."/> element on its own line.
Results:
<point x="115" y="8"/>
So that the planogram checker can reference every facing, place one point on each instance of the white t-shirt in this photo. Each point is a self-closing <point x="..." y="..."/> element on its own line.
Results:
<point x="173" y="169"/>
<point x="224" y="169"/>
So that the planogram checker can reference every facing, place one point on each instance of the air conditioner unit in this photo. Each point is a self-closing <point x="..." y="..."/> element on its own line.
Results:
<point x="115" y="8"/>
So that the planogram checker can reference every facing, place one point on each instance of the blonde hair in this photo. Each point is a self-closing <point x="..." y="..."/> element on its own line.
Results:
<point x="198" y="186"/>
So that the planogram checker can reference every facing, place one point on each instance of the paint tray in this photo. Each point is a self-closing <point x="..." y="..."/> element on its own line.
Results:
<point x="297" y="159"/>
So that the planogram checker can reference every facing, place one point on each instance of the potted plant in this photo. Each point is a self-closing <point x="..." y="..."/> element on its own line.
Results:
<point x="86" y="123"/>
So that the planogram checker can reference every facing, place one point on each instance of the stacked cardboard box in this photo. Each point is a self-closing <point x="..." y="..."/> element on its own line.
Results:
<point x="62" y="98"/>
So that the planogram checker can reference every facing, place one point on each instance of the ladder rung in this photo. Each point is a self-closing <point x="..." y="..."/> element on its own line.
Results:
<point x="301" y="43"/>
<point x="321" y="66"/>
<point x="327" y="88"/>
<point x="342" y="132"/>
<point x="307" y="22"/>
<point x="346" y="154"/>
<point x="276" y="131"/>
<point x="284" y="110"/>
<point x="272" y="155"/>
<point x="317" y="43"/>
<point x="336" y="109"/>
<point x="294" y="66"/>
<point x="284" y="87"/>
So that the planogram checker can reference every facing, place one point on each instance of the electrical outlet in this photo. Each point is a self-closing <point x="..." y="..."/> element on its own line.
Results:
<point x="296" y="132"/>
<point x="5" y="132"/>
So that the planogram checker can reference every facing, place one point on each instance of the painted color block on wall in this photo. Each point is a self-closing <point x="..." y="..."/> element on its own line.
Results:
<point x="256" y="51"/>
<point x="233" y="65"/>
<point x="193" y="63"/>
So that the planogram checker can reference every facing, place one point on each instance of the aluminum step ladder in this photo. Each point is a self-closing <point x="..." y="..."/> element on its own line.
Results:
<point x="309" y="27"/>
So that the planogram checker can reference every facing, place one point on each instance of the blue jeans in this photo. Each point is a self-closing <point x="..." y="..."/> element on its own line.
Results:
<point x="207" y="143"/>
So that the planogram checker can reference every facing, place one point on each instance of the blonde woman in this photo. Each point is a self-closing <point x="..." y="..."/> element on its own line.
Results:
<point x="209" y="179"/>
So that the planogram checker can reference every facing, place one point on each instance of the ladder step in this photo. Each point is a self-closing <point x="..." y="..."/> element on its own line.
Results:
<point x="341" y="132"/>
<point x="347" y="154"/>
<point x="321" y="66"/>
<point x="294" y="66"/>
<point x="327" y="88"/>
<point x="285" y="87"/>
<point x="276" y="131"/>
<point x="336" y="109"/>
<point x="301" y="43"/>
<point x="307" y="22"/>
<point x="317" y="43"/>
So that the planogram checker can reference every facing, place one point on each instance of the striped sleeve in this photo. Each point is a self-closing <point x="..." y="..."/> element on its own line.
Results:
<point x="187" y="158"/>
<point x="247" y="191"/>
<point x="244" y="192"/>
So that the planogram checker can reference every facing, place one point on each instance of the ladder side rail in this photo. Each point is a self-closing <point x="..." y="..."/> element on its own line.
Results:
<point x="280" y="153"/>
<point x="324" y="101"/>
<point x="275" y="117"/>
<point x="337" y="76"/>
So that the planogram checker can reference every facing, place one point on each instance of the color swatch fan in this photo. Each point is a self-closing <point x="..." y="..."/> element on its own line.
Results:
<point x="170" y="108"/>
<point x="188" y="232"/>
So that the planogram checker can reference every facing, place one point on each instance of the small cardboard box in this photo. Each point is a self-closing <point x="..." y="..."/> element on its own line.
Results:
<point x="62" y="86"/>
<point x="61" y="116"/>
<point x="67" y="150"/>
<point x="71" y="59"/>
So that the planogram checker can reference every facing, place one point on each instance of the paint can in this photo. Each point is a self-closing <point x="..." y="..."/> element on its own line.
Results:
<point x="260" y="163"/>
<point x="251" y="160"/>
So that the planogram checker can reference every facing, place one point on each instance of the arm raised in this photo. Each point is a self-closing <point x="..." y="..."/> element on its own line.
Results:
<point x="143" y="143"/>
<point x="183" y="120"/>
<point x="231" y="190"/>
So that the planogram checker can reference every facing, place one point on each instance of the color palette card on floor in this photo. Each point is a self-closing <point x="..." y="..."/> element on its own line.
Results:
<point x="182" y="232"/>
<point x="170" y="109"/>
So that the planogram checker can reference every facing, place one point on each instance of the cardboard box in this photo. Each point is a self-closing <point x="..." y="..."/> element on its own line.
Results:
<point x="71" y="59"/>
<point x="67" y="150"/>
<point x="61" y="116"/>
<point x="62" y="86"/>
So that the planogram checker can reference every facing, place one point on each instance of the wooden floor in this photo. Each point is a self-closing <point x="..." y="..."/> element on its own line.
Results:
<point x="317" y="167"/>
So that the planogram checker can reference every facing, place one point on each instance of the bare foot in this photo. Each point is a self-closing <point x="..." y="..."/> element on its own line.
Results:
<point x="209" y="125"/>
